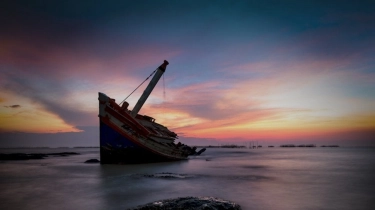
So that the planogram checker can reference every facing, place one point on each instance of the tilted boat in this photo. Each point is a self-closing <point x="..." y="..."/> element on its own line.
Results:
<point x="128" y="137"/>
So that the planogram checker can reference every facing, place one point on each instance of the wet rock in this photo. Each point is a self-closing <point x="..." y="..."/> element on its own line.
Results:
<point x="249" y="178"/>
<point x="26" y="156"/>
<point x="254" y="166"/>
<point x="200" y="151"/>
<point x="63" y="153"/>
<point x="92" y="161"/>
<point x="167" y="175"/>
<point x="21" y="156"/>
<point x="190" y="203"/>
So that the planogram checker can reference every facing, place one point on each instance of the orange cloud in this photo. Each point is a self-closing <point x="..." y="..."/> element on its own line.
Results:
<point x="294" y="102"/>
<point x="30" y="117"/>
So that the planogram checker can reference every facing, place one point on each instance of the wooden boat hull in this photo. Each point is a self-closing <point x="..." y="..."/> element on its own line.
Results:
<point x="128" y="137"/>
<point x="124" y="141"/>
<point x="115" y="148"/>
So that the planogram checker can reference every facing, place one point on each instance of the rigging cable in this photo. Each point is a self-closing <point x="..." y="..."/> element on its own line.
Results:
<point x="138" y="86"/>
<point x="163" y="104"/>
<point x="163" y="88"/>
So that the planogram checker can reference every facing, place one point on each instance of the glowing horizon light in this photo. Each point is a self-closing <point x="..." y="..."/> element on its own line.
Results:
<point x="30" y="117"/>
<point x="237" y="70"/>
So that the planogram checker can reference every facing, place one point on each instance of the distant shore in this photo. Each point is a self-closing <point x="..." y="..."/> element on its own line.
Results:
<point x="21" y="147"/>
<point x="30" y="156"/>
<point x="269" y="146"/>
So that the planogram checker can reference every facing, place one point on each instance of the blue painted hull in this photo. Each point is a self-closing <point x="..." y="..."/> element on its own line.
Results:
<point x="118" y="149"/>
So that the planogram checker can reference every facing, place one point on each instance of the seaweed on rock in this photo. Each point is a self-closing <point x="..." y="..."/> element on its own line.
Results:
<point x="190" y="203"/>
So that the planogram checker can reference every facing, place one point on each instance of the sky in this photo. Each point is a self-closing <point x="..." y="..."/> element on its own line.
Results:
<point x="274" y="72"/>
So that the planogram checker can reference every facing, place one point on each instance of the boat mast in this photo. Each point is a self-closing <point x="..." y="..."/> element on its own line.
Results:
<point x="160" y="71"/>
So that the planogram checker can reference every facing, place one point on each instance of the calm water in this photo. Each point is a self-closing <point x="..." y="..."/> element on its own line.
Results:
<point x="268" y="178"/>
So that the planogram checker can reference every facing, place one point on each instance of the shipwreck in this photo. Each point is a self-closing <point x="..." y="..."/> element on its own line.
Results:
<point x="129" y="137"/>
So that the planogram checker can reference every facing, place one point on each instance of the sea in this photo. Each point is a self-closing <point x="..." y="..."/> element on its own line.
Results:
<point x="265" y="178"/>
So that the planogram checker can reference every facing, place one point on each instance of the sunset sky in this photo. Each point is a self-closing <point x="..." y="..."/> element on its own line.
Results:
<point x="269" y="71"/>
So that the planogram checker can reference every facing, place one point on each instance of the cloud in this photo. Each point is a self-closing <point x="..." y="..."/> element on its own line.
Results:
<point x="206" y="100"/>
<point x="88" y="137"/>
<point x="13" y="106"/>
<point x="266" y="95"/>
<point x="61" y="79"/>
<point x="234" y="65"/>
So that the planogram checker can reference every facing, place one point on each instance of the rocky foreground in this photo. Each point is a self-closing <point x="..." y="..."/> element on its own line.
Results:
<point x="190" y="203"/>
<point x="30" y="156"/>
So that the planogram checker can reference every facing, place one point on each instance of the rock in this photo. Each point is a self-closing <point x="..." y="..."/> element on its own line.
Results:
<point x="200" y="151"/>
<point x="190" y="203"/>
<point x="21" y="156"/>
<point x="27" y="156"/>
<point x="92" y="161"/>
<point x="63" y="153"/>
<point x="167" y="175"/>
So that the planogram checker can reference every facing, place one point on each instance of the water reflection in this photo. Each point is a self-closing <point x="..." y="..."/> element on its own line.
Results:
<point x="321" y="178"/>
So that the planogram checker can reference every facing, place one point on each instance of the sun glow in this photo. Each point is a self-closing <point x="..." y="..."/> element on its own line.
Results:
<point x="174" y="119"/>
<point x="18" y="114"/>
<point x="284" y="126"/>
